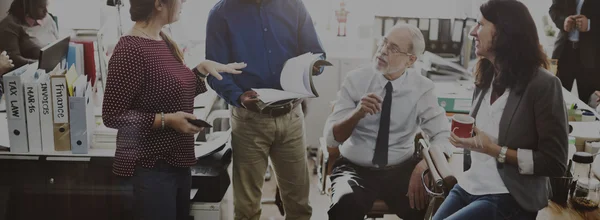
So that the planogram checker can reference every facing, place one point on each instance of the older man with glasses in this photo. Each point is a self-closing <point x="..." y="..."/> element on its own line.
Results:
<point x="378" y="111"/>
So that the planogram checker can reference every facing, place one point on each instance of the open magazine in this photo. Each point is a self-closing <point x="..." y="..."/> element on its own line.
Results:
<point x="296" y="80"/>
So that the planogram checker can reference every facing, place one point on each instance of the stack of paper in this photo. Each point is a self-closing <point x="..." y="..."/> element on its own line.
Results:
<point x="296" y="79"/>
<point x="105" y="138"/>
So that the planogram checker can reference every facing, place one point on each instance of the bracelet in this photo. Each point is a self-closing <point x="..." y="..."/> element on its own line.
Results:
<point x="198" y="73"/>
<point x="162" y="120"/>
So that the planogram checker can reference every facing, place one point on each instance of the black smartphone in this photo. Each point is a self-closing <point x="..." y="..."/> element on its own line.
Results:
<point x="200" y="123"/>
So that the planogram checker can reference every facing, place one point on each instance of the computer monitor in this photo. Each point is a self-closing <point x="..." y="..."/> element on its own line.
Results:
<point x="53" y="54"/>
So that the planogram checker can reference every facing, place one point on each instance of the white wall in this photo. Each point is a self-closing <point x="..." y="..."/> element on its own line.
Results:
<point x="4" y="6"/>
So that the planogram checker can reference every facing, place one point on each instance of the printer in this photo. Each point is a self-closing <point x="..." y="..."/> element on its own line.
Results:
<point x="210" y="175"/>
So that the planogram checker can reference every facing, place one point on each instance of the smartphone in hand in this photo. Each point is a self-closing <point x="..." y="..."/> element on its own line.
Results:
<point x="200" y="123"/>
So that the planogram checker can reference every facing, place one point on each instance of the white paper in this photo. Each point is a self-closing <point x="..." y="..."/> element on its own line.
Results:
<point x="273" y="95"/>
<point x="294" y="75"/>
<point x="295" y="80"/>
<point x="203" y="148"/>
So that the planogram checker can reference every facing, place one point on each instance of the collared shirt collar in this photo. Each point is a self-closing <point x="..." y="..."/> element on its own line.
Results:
<point x="32" y="22"/>
<point x="396" y="84"/>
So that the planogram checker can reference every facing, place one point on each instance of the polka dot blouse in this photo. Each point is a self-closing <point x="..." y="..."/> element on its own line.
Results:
<point x="144" y="79"/>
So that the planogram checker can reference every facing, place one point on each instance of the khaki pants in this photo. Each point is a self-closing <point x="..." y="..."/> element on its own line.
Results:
<point x="254" y="139"/>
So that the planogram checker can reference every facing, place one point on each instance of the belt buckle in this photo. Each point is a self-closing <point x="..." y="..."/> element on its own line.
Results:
<point x="275" y="108"/>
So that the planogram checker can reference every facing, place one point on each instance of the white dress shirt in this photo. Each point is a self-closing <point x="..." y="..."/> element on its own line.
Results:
<point x="414" y="105"/>
<point x="574" y="34"/>
<point x="483" y="177"/>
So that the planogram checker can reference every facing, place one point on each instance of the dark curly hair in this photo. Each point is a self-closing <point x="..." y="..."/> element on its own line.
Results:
<point x="20" y="8"/>
<point x="516" y="46"/>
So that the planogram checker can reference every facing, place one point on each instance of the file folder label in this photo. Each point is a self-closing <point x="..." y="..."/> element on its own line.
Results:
<point x="59" y="95"/>
<point x="14" y="100"/>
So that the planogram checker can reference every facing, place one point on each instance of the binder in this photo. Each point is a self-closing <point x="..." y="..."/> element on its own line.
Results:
<point x="32" y="106"/>
<point x="46" y="117"/>
<point x="81" y="117"/>
<point x="15" y="107"/>
<point x="445" y="36"/>
<point x="60" y="111"/>
<point x="89" y="59"/>
<point x="433" y="42"/>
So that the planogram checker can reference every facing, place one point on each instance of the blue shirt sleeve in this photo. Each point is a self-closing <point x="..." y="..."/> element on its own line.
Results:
<point x="218" y="50"/>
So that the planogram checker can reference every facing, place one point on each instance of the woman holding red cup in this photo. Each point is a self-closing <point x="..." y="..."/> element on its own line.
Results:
<point x="519" y="122"/>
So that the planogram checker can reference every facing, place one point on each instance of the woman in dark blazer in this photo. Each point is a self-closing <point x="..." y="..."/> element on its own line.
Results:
<point x="521" y="134"/>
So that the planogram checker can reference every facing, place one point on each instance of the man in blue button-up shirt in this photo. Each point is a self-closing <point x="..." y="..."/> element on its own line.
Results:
<point x="264" y="34"/>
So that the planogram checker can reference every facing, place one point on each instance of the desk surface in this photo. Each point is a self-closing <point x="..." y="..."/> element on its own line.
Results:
<point x="205" y="100"/>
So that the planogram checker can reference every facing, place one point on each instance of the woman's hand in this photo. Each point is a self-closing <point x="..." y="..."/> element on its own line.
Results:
<point x="213" y="68"/>
<point x="179" y="122"/>
<point x="480" y="142"/>
<point x="6" y="64"/>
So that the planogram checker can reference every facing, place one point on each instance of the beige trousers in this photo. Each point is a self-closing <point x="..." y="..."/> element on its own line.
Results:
<point x="254" y="139"/>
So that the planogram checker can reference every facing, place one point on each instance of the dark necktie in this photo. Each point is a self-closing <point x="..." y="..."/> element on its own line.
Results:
<point x="381" y="146"/>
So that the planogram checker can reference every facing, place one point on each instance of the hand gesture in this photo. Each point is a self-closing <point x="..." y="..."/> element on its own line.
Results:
<point x="369" y="104"/>
<point x="179" y="122"/>
<point x="581" y="22"/>
<point x="480" y="142"/>
<point x="6" y="64"/>
<point x="417" y="196"/>
<point x="213" y="68"/>
<point x="249" y="99"/>
<point x="569" y="23"/>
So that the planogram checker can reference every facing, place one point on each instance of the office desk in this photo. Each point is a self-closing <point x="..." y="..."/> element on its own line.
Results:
<point x="62" y="185"/>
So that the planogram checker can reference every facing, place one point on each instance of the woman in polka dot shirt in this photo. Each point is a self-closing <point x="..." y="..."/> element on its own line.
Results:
<point x="149" y="97"/>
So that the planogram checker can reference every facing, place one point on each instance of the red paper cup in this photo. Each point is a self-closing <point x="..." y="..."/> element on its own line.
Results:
<point x="462" y="125"/>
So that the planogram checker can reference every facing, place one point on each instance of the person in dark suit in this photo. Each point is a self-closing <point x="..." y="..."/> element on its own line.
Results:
<point x="576" y="47"/>
<point x="521" y="133"/>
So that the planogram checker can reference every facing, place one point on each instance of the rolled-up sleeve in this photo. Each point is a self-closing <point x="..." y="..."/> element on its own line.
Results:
<point x="433" y="122"/>
<point x="343" y="107"/>
<point x="525" y="161"/>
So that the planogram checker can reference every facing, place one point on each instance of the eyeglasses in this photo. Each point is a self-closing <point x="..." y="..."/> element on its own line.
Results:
<point x="391" y="48"/>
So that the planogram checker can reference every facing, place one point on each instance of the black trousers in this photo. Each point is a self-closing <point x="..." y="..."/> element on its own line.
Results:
<point x="571" y="68"/>
<point x="355" y="188"/>
<point x="162" y="192"/>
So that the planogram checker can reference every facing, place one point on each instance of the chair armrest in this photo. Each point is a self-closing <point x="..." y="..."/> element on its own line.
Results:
<point x="443" y="167"/>
<point x="334" y="154"/>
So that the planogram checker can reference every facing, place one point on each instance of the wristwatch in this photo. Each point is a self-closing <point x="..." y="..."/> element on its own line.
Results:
<point x="502" y="155"/>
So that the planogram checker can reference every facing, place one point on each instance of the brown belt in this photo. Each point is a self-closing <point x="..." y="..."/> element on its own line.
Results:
<point x="277" y="110"/>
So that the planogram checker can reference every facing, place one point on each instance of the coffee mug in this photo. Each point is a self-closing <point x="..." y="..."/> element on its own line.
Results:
<point x="462" y="125"/>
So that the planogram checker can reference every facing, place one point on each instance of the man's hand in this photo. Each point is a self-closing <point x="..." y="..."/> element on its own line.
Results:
<point x="249" y="100"/>
<point x="417" y="196"/>
<point x="369" y="104"/>
<point x="569" y="23"/>
<point x="581" y="22"/>
<point x="597" y="96"/>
